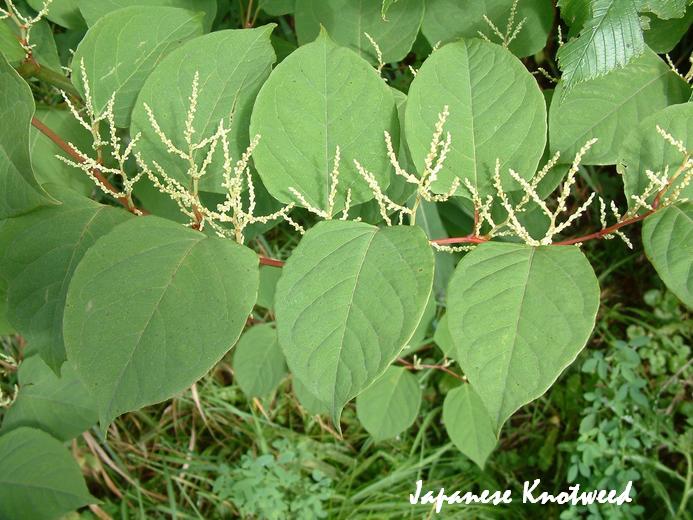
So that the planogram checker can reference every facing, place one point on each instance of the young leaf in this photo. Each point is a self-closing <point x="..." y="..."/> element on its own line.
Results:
<point x="390" y="405"/>
<point x="63" y="12"/>
<point x="348" y="23"/>
<point x="39" y="262"/>
<point x="496" y="112"/>
<point x="469" y="424"/>
<point x="61" y="406"/>
<point x="322" y="96"/>
<point x="92" y="10"/>
<point x="608" y="40"/>
<point x="38" y="477"/>
<point x="231" y="65"/>
<point x="449" y="20"/>
<point x="606" y="108"/>
<point x="349" y="299"/>
<point x="19" y="191"/>
<point x="645" y="149"/>
<point x="258" y="362"/>
<point x="519" y="315"/>
<point x="122" y="48"/>
<point x="668" y="239"/>
<point x="151" y="308"/>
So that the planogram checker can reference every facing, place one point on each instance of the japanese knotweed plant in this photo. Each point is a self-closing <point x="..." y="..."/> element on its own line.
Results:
<point x="194" y="145"/>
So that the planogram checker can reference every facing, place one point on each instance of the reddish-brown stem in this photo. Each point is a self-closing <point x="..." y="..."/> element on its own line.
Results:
<point x="77" y="157"/>
<point x="264" y="260"/>
<point x="442" y="368"/>
<point x="469" y="239"/>
<point x="606" y="231"/>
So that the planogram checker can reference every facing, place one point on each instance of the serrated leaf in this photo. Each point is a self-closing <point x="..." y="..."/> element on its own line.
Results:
<point x="151" y="308"/>
<point x="92" y="10"/>
<point x="350" y="297"/>
<point x="38" y="477"/>
<point x="496" y="112"/>
<point x="449" y="20"/>
<point x="664" y="9"/>
<point x="668" y="239"/>
<point x="19" y="191"/>
<point x="390" y="405"/>
<point x="320" y="97"/>
<point x="258" y="362"/>
<point x="122" y="48"/>
<point x="519" y="315"/>
<point x="348" y="21"/>
<point x="645" y="149"/>
<point x="469" y="425"/>
<point x="60" y="406"/>
<point x="63" y="12"/>
<point x="232" y="66"/>
<point x="608" y="41"/>
<point x="39" y="262"/>
<point x="607" y="107"/>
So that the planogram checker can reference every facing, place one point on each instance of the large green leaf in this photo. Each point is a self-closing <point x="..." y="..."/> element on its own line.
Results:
<point x="496" y="112"/>
<point x="19" y="191"/>
<point x="63" y="12"/>
<point x="308" y="400"/>
<point x="92" y="10"/>
<point x="608" y="107"/>
<point x="348" y="21"/>
<point x="390" y="405"/>
<point x="39" y="262"/>
<point x="61" y="406"/>
<point x="668" y="239"/>
<point x="232" y="66"/>
<point x="38" y="477"/>
<point x="122" y="48"/>
<point x="258" y="362"/>
<point x="320" y="97"/>
<point x="608" y="40"/>
<point x="151" y="308"/>
<point x="519" y="315"/>
<point x="10" y="47"/>
<point x="448" y="20"/>
<point x="645" y="149"/>
<point x="349" y="299"/>
<point x="469" y="424"/>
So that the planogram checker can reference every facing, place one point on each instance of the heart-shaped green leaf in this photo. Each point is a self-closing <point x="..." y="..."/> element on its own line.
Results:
<point x="349" y="299"/>
<point x="519" y="315"/>
<point x="322" y="96"/>
<point x="151" y="308"/>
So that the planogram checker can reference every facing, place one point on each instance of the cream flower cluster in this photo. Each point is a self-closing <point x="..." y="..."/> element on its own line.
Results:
<point x="24" y="23"/>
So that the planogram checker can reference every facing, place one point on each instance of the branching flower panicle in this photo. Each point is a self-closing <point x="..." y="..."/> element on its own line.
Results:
<point x="24" y="23"/>
<point x="95" y="167"/>
<point x="433" y="164"/>
<point x="236" y="177"/>
<point x="511" y="29"/>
